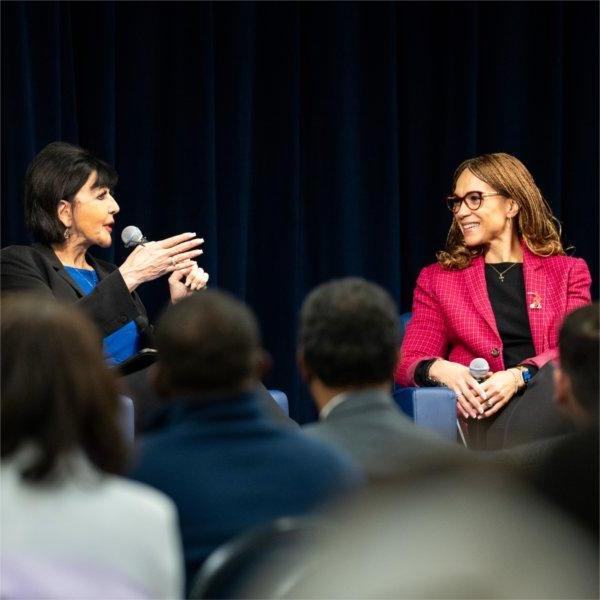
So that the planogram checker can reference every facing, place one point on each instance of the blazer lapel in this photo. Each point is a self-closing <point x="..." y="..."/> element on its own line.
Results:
<point x="475" y="278"/>
<point x="535" y="298"/>
<point x="58" y="267"/>
<point x="99" y="268"/>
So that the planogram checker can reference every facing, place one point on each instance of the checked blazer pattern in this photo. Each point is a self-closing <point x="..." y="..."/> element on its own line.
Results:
<point x="453" y="318"/>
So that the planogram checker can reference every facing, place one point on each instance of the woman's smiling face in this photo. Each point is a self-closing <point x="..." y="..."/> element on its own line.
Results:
<point x="489" y="222"/>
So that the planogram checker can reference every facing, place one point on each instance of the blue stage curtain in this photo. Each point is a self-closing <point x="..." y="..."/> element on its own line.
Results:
<point x="303" y="141"/>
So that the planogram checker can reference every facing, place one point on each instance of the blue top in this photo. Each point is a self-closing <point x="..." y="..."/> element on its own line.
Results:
<point x="124" y="342"/>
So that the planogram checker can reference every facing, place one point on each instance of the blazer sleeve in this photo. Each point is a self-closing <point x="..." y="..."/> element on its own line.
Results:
<point x="578" y="294"/>
<point x="110" y="305"/>
<point x="425" y="336"/>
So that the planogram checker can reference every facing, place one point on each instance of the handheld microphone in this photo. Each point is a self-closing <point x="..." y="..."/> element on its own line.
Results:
<point x="479" y="368"/>
<point x="132" y="236"/>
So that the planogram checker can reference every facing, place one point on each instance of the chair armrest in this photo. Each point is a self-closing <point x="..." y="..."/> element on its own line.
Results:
<point x="281" y="399"/>
<point x="127" y="418"/>
<point x="433" y="408"/>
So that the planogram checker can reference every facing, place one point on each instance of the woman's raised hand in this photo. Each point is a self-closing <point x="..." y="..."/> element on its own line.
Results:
<point x="470" y="395"/>
<point x="155" y="259"/>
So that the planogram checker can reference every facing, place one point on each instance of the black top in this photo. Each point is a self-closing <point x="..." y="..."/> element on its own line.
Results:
<point x="507" y="297"/>
<point x="510" y="309"/>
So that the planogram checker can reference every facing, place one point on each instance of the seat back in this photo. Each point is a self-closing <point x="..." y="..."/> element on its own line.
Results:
<point x="433" y="408"/>
<point x="127" y="418"/>
<point x="404" y="319"/>
<point x="281" y="399"/>
<point x="229" y="571"/>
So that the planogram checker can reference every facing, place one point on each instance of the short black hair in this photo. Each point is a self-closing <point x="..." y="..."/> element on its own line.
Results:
<point x="57" y="392"/>
<point x="208" y="342"/>
<point x="57" y="173"/>
<point x="578" y="342"/>
<point x="350" y="333"/>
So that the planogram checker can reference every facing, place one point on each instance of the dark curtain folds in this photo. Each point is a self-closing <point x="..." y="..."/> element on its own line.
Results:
<point x="303" y="141"/>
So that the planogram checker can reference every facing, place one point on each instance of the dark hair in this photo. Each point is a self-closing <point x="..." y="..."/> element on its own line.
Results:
<point x="349" y="333"/>
<point x="57" y="392"/>
<point x="208" y="342"/>
<point x="578" y="342"/>
<point x="57" y="173"/>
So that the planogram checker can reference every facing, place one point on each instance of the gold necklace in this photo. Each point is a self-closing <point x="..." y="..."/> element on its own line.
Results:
<point x="501" y="273"/>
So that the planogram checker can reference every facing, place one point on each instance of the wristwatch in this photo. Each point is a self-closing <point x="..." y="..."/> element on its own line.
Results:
<point x="525" y="373"/>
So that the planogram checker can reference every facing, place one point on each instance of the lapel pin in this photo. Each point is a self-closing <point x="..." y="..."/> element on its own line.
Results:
<point x="536" y="301"/>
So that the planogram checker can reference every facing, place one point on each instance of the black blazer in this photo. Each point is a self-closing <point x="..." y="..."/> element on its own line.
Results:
<point x="37" y="269"/>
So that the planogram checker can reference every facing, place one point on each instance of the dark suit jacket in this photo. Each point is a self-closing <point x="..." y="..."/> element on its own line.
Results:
<point x="228" y="466"/>
<point x="386" y="443"/>
<point x="37" y="269"/>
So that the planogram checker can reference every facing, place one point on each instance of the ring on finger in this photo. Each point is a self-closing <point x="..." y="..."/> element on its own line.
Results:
<point x="172" y="261"/>
<point x="489" y="404"/>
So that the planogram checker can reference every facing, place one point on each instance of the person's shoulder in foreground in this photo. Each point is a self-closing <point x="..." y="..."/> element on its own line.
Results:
<point x="99" y="505"/>
<point x="236" y="428"/>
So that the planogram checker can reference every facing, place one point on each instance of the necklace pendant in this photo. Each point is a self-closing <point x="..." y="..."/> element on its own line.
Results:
<point x="501" y="278"/>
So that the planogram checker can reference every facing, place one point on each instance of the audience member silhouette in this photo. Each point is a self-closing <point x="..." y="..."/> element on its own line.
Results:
<point x="569" y="474"/>
<point x="348" y="348"/>
<point x="71" y="527"/>
<point x="223" y="460"/>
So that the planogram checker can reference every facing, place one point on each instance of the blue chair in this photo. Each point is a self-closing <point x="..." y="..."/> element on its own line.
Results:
<point x="127" y="418"/>
<point x="282" y="400"/>
<point x="433" y="408"/>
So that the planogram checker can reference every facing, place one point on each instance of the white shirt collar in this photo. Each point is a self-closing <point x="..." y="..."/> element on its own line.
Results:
<point x="335" y="401"/>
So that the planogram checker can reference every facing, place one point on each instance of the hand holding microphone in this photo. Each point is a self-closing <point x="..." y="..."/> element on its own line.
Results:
<point x="479" y="369"/>
<point x="150" y="260"/>
<point x="470" y="395"/>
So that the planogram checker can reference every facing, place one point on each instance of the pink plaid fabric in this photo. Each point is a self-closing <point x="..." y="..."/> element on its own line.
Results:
<point x="453" y="318"/>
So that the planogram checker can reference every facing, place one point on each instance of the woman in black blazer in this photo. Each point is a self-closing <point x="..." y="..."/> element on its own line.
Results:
<point x="69" y="208"/>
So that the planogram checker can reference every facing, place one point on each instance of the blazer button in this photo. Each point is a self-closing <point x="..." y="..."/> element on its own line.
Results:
<point x="495" y="352"/>
<point x="122" y="319"/>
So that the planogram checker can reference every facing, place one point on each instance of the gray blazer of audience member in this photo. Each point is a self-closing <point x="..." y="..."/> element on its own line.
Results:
<point x="380" y="438"/>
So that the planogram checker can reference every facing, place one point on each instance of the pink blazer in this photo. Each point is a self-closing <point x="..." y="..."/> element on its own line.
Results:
<point x="453" y="318"/>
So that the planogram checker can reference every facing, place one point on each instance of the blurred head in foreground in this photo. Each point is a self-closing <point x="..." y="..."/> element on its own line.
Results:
<point x="576" y="380"/>
<point x="349" y="336"/>
<point x="444" y="533"/>
<point x="58" y="396"/>
<point x="209" y="344"/>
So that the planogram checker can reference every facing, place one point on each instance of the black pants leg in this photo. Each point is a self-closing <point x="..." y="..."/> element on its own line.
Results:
<point x="530" y="416"/>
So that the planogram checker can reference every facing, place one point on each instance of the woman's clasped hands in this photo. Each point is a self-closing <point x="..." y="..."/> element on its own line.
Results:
<point x="174" y="255"/>
<point x="475" y="399"/>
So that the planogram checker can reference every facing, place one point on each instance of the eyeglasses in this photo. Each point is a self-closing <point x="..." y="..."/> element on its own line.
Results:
<point x="473" y="200"/>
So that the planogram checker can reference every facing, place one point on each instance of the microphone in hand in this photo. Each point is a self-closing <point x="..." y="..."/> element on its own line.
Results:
<point x="479" y="368"/>
<point x="132" y="236"/>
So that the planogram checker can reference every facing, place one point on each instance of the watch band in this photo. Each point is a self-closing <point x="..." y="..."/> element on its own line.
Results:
<point x="525" y="373"/>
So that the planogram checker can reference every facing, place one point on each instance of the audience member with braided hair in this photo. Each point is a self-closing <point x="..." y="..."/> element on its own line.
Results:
<point x="500" y="291"/>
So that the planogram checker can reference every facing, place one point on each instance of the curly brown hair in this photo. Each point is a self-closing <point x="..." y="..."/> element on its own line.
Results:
<point x="536" y="225"/>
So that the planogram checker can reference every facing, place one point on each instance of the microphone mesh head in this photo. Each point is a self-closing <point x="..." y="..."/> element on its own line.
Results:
<point x="479" y="367"/>
<point x="131" y="235"/>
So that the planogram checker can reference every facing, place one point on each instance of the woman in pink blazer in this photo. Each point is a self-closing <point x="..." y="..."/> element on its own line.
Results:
<point x="500" y="290"/>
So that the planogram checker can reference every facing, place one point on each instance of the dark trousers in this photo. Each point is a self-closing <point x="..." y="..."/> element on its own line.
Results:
<point x="529" y="416"/>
